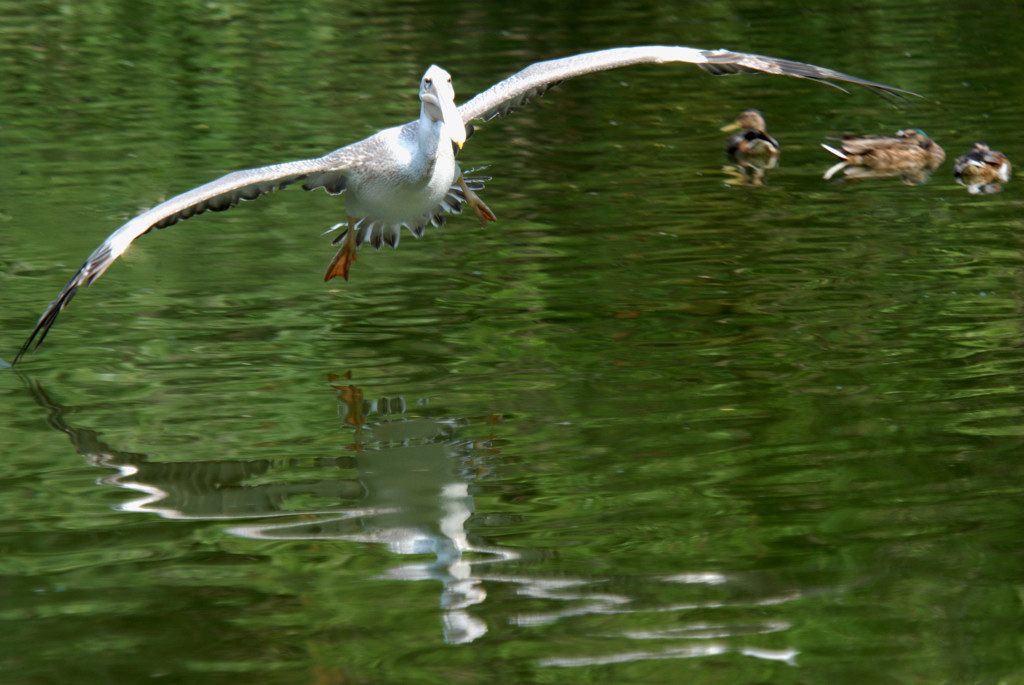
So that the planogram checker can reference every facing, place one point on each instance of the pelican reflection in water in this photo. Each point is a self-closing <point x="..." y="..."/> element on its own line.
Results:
<point x="408" y="175"/>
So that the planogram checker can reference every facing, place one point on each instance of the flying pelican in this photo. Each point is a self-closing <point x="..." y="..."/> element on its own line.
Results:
<point x="407" y="175"/>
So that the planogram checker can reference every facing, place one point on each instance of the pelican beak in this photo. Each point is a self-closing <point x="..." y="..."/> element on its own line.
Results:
<point x="452" y="121"/>
<point x="438" y="99"/>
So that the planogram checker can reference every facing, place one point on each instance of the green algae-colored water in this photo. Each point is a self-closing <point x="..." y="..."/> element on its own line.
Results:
<point x="653" y="426"/>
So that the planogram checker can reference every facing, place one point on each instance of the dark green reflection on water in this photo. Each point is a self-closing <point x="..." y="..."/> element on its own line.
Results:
<point x="651" y="427"/>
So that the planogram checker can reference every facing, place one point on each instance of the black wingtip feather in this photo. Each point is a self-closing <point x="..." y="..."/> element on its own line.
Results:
<point x="49" y="317"/>
<point x="723" y="62"/>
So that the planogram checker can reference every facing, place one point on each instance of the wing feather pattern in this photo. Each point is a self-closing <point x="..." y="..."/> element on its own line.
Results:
<point x="326" y="172"/>
<point x="505" y="97"/>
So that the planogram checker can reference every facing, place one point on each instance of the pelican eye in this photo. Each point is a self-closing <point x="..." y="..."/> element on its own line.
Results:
<point x="428" y="81"/>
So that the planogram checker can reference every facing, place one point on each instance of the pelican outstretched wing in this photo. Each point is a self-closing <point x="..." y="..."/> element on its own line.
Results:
<point x="326" y="172"/>
<point x="505" y="97"/>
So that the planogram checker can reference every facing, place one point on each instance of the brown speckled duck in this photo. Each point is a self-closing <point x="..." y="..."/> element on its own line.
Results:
<point x="910" y="154"/>
<point x="982" y="170"/>
<point x="750" y="139"/>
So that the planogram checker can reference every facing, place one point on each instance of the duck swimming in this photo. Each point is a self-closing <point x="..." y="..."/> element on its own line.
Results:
<point x="750" y="139"/>
<point x="910" y="154"/>
<point x="982" y="170"/>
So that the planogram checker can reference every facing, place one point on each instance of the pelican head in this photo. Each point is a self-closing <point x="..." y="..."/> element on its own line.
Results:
<point x="438" y="98"/>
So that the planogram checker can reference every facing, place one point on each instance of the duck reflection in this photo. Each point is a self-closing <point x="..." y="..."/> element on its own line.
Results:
<point x="910" y="155"/>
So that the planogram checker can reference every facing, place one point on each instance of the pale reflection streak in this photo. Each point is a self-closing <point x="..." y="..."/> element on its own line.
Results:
<point x="711" y="637"/>
<point x="787" y="656"/>
<point x="414" y="503"/>
<point x="911" y="174"/>
<point x="412" y="492"/>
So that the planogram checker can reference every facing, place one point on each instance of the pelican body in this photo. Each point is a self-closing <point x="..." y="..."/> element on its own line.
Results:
<point x="408" y="175"/>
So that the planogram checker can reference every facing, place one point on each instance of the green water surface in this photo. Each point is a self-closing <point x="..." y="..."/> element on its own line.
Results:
<point x="655" y="425"/>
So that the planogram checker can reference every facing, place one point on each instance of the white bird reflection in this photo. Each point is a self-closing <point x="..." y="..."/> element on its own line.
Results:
<point x="407" y="481"/>
<point x="409" y="491"/>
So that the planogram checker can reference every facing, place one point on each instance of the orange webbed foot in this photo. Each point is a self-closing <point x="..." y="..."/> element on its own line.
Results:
<point x="339" y="266"/>
<point x="483" y="212"/>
